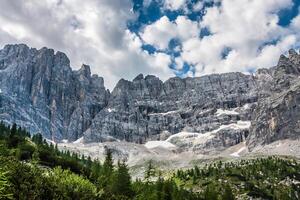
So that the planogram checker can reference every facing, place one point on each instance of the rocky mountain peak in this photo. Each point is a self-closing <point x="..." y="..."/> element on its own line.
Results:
<point x="40" y="92"/>
<point x="283" y="60"/>
<point x="294" y="57"/>
<point x="85" y="70"/>
<point x="61" y="58"/>
<point x="138" y="78"/>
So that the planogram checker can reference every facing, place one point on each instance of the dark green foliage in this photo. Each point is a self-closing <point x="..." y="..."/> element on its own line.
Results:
<point x="121" y="181"/>
<point x="30" y="168"/>
<point x="150" y="171"/>
<point x="262" y="178"/>
<point x="211" y="192"/>
<point x="228" y="195"/>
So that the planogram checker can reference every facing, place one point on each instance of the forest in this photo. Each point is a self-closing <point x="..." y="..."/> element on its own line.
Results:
<point x="31" y="168"/>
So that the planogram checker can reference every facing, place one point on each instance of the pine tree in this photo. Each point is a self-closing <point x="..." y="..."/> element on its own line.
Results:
<point x="108" y="166"/>
<point x="121" y="181"/>
<point x="197" y="171"/>
<point x="106" y="171"/>
<point x="150" y="171"/>
<point x="95" y="171"/>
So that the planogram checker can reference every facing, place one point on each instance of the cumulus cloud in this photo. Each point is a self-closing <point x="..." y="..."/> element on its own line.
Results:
<point x="242" y="28"/>
<point x="162" y="31"/>
<point x="93" y="32"/>
<point x="242" y="35"/>
<point x="174" y="4"/>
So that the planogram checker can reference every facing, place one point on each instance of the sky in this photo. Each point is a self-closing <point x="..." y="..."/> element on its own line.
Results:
<point x="166" y="38"/>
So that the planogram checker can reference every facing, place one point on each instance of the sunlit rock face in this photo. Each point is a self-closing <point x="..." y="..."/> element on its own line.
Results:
<point x="277" y="115"/>
<point x="145" y="108"/>
<point x="40" y="91"/>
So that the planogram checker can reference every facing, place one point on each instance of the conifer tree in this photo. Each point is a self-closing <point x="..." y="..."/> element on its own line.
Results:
<point x="150" y="171"/>
<point x="106" y="171"/>
<point x="121" y="181"/>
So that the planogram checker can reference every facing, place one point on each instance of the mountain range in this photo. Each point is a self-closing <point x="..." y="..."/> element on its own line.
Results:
<point x="39" y="91"/>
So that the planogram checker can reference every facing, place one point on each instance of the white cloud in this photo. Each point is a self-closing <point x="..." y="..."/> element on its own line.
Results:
<point x="244" y="27"/>
<point x="163" y="30"/>
<point x="95" y="32"/>
<point x="92" y="32"/>
<point x="159" y="33"/>
<point x="198" y="6"/>
<point x="174" y="4"/>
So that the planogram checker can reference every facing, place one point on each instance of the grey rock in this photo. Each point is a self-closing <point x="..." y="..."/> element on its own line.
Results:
<point x="41" y="92"/>
<point x="144" y="108"/>
<point x="276" y="116"/>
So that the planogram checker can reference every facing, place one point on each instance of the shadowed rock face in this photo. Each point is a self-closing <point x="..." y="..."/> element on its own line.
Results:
<point x="40" y="92"/>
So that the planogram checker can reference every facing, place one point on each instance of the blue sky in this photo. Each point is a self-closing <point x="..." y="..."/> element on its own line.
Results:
<point x="122" y="38"/>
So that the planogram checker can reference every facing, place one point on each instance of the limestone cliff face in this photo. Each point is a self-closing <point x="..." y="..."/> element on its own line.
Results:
<point x="146" y="107"/>
<point x="39" y="91"/>
<point x="277" y="115"/>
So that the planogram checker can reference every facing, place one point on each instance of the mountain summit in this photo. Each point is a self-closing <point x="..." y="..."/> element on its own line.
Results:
<point x="41" y="92"/>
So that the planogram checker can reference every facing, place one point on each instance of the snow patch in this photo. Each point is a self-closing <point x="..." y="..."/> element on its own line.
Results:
<point x="0" y="91"/>
<point x="78" y="141"/>
<point x="198" y="138"/>
<point x="204" y="137"/>
<point x="110" y="110"/>
<point x="183" y="135"/>
<point x="65" y="141"/>
<point x="226" y="112"/>
<point x="237" y="153"/>
<point x="50" y="141"/>
<point x="155" y="144"/>
<point x="166" y="113"/>
<point x="236" y="126"/>
<point x="246" y="106"/>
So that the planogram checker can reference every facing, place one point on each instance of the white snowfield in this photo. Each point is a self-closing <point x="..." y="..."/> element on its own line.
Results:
<point x="238" y="125"/>
<point x="194" y="138"/>
<point x="78" y="141"/>
<point x="163" y="144"/>
<point x="183" y="135"/>
<point x="226" y="112"/>
<point x="0" y="91"/>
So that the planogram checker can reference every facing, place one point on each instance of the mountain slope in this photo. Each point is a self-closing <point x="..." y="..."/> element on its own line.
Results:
<point x="40" y="92"/>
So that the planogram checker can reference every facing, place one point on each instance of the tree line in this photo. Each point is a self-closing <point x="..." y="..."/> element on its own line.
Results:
<point x="31" y="168"/>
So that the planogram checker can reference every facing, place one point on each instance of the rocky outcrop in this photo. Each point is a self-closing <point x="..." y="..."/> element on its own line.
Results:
<point x="40" y="92"/>
<point x="146" y="107"/>
<point x="276" y="116"/>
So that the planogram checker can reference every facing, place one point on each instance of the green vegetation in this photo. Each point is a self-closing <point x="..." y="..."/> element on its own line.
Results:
<point x="262" y="178"/>
<point x="30" y="168"/>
